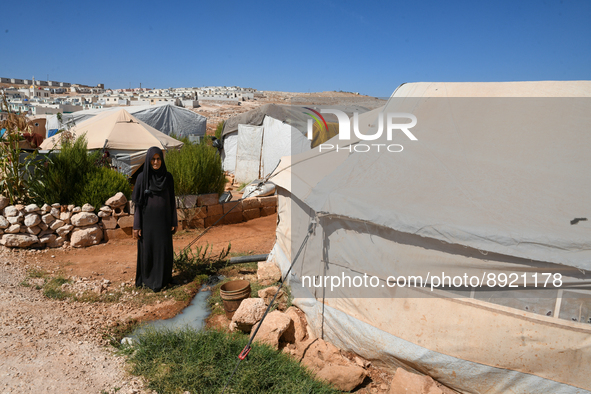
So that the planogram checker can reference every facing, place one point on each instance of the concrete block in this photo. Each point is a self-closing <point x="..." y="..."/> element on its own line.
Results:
<point x="210" y="220"/>
<point x="234" y="206"/>
<point x="266" y="211"/>
<point x="214" y="210"/>
<point x="251" y="203"/>
<point x="269" y="201"/>
<point x="250" y="214"/>
<point x="207" y="199"/>
<point x="233" y="217"/>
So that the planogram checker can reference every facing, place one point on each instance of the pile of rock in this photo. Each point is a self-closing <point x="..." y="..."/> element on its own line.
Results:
<point x="117" y="217"/>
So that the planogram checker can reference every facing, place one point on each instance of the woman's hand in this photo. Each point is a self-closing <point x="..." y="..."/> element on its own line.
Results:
<point x="137" y="234"/>
<point x="174" y="228"/>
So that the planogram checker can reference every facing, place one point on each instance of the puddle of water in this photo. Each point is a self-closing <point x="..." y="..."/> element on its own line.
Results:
<point x="192" y="316"/>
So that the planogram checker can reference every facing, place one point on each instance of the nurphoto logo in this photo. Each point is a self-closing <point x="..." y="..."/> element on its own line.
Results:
<point x="345" y="130"/>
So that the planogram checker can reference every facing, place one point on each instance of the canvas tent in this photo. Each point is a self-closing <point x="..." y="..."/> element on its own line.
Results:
<point x="255" y="141"/>
<point x="168" y="119"/>
<point x="491" y="186"/>
<point x="125" y="137"/>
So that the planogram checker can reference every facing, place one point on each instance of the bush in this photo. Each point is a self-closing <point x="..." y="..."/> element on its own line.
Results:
<point x="218" y="130"/>
<point x="73" y="177"/>
<point x="196" y="169"/>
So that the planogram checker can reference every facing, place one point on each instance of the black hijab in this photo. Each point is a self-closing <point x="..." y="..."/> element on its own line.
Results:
<point x="153" y="181"/>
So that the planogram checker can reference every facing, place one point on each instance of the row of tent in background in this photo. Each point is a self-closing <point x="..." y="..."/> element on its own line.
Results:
<point x="491" y="186"/>
<point x="127" y="133"/>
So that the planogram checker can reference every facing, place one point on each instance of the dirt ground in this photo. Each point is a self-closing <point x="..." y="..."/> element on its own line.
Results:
<point x="51" y="346"/>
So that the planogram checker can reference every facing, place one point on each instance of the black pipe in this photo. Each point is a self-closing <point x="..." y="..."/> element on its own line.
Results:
<point x="248" y="259"/>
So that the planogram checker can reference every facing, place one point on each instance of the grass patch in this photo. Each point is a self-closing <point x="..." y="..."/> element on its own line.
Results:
<point x="202" y="361"/>
<point x="118" y="331"/>
<point x="190" y="263"/>
<point x="52" y="288"/>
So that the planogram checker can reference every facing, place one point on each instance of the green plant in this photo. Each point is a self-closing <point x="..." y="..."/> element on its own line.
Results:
<point x="218" y="130"/>
<point x="201" y="362"/>
<point x="52" y="289"/>
<point x="191" y="263"/>
<point x="196" y="169"/>
<point x="73" y="177"/>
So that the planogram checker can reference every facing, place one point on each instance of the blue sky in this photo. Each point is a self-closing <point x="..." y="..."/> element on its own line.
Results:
<point x="370" y="47"/>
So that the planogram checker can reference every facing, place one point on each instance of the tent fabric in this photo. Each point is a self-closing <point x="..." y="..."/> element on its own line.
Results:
<point x="490" y="186"/>
<point x="120" y="133"/>
<point x="167" y="118"/>
<point x="248" y="153"/>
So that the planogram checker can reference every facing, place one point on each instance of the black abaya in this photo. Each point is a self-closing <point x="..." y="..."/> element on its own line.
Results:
<point x="155" y="218"/>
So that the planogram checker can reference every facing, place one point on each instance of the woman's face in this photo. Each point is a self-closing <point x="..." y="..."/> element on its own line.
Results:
<point x="156" y="161"/>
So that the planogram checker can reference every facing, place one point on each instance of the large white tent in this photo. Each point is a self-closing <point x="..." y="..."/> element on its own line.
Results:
<point x="125" y="137"/>
<point x="167" y="118"/>
<point x="497" y="182"/>
<point x="255" y="141"/>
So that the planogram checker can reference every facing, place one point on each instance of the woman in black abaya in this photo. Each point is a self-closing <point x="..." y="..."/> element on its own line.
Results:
<point x="155" y="222"/>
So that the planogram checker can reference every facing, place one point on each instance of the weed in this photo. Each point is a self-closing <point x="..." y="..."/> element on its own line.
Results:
<point x="191" y="263"/>
<point x="201" y="362"/>
<point x="52" y="288"/>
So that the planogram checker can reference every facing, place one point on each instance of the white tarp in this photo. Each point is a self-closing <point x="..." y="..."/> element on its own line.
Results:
<point x="229" y="153"/>
<point x="167" y="118"/>
<point x="248" y="153"/>
<point x="491" y="186"/>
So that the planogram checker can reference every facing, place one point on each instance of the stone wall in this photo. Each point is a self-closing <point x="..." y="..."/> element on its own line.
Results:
<point x="58" y="225"/>
<point x="207" y="210"/>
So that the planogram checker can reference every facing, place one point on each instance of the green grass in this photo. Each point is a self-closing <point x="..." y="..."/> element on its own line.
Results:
<point x="52" y="288"/>
<point x="202" y="361"/>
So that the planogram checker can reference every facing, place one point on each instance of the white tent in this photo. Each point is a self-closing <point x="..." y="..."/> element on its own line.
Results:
<point x="167" y="118"/>
<point x="255" y="141"/>
<point x="497" y="182"/>
<point x="126" y="138"/>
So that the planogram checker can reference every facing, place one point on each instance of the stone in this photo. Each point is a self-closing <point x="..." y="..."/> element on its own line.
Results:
<point x="56" y="224"/>
<point x="109" y="222"/>
<point x="71" y="207"/>
<point x="45" y="208"/>
<point x="65" y="217"/>
<point x="249" y="312"/>
<point x="299" y="326"/>
<point x="55" y="212"/>
<point x="117" y="200"/>
<point x="125" y="222"/>
<point x="188" y="201"/>
<point x="33" y="230"/>
<point x="106" y="208"/>
<point x="250" y="214"/>
<point x="3" y="222"/>
<point x="216" y="209"/>
<point x="64" y="230"/>
<point x="56" y="243"/>
<point x="268" y="273"/>
<point x="31" y="208"/>
<point x="120" y="211"/>
<point x="233" y="206"/>
<point x="14" y="219"/>
<point x="319" y="353"/>
<point x="103" y="214"/>
<point x="56" y="205"/>
<point x="272" y="328"/>
<point x="251" y="203"/>
<point x="117" y="233"/>
<point x="48" y="218"/>
<point x="3" y="202"/>
<point x="233" y="217"/>
<point x="19" y="207"/>
<point x="211" y="220"/>
<point x="196" y="223"/>
<point x="46" y="238"/>
<point x="270" y="201"/>
<point x="32" y="219"/>
<point x="208" y="199"/>
<point x="406" y="382"/>
<point x="86" y="236"/>
<point x="43" y="226"/>
<point x="13" y="229"/>
<point x="268" y="293"/>
<point x="76" y="209"/>
<point x="10" y="211"/>
<point x="266" y="211"/>
<point x="87" y="208"/>
<point x="23" y="229"/>
<point x="343" y="377"/>
<point x="83" y="219"/>
<point x="18" y="240"/>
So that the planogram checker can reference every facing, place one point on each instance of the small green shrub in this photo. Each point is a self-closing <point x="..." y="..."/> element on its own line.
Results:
<point x="102" y="184"/>
<point x="218" y="130"/>
<point x="196" y="169"/>
<point x="191" y="263"/>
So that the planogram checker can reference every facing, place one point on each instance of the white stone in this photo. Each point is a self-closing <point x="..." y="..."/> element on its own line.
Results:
<point x="71" y="207"/>
<point x="14" y="219"/>
<point x="33" y="230"/>
<point x="47" y="238"/>
<point x="45" y="208"/>
<point x="76" y="209"/>
<point x="117" y="200"/>
<point x="83" y="219"/>
<point x="32" y="219"/>
<point x="31" y="208"/>
<point x="56" y="224"/>
<point x="64" y="230"/>
<point x="103" y="214"/>
<point x="82" y="237"/>
<point x="55" y="212"/>
<point x="65" y="216"/>
<point x="56" y="205"/>
<point x="48" y="218"/>
<point x="3" y="202"/>
<point x="18" y="240"/>
<point x="87" y="208"/>
<point x="106" y="208"/>
<point x="13" y="229"/>
<point x="3" y="222"/>
<point x="10" y="211"/>
<point x="249" y="312"/>
<point x="56" y="243"/>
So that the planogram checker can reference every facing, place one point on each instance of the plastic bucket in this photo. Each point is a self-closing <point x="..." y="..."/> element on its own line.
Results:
<point x="232" y="294"/>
